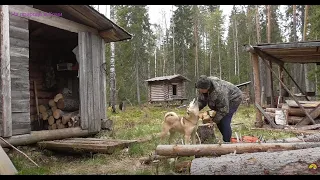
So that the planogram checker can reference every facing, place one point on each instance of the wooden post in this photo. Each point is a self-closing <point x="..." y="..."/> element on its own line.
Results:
<point x="256" y="84"/>
<point x="5" y="96"/>
<point x="281" y="89"/>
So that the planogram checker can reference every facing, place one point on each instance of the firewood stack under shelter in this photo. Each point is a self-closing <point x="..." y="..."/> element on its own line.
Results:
<point x="61" y="112"/>
<point x="289" y="113"/>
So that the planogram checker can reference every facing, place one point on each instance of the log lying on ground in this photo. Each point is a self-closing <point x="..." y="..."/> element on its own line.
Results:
<point x="68" y="104"/>
<point x="295" y="131"/>
<point x="218" y="150"/>
<point x="292" y="162"/>
<point x="306" y="138"/>
<point x="46" y="135"/>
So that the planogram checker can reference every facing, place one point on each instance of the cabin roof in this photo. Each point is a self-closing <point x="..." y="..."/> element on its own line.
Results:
<point x="292" y="52"/>
<point x="162" y="78"/>
<point x="87" y="15"/>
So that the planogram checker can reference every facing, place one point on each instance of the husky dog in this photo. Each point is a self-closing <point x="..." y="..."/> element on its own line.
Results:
<point x="186" y="125"/>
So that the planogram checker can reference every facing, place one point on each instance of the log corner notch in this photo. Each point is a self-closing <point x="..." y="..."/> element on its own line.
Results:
<point x="256" y="84"/>
<point x="5" y="77"/>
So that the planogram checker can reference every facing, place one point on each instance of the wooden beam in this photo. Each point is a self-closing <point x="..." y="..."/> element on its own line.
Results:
<point x="5" y="96"/>
<point x="290" y="45"/>
<point x="271" y="122"/>
<point x="110" y="34"/>
<point x="257" y="91"/>
<point x="45" y="135"/>
<point x="314" y="113"/>
<point x="54" y="21"/>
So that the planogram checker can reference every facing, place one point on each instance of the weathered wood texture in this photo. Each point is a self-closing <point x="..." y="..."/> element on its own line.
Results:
<point x="45" y="135"/>
<point x="291" y="162"/>
<point x="163" y="90"/>
<point x="92" y="95"/>
<point x="19" y="57"/>
<point x="218" y="150"/>
<point x="86" y="145"/>
<point x="5" y="74"/>
<point x="256" y="85"/>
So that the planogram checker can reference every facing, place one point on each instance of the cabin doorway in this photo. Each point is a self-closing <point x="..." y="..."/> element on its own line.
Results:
<point x="53" y="69"/>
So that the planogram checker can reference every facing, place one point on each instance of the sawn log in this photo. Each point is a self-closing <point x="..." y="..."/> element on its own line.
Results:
<point x="68" y="104"/>
<point x="293" y="162"/>
<point x="218" y="150"/>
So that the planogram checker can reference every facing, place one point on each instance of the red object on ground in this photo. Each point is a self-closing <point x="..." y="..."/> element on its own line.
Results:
<point x="246" y="139"/>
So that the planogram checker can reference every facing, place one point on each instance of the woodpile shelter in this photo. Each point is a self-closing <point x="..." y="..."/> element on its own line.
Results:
<point x="53" y="82"/>
<point x="167" y="88"/>
<point x="295" y="111"/>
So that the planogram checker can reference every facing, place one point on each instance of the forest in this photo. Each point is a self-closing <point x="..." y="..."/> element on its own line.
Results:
<point x="193" y="44"/>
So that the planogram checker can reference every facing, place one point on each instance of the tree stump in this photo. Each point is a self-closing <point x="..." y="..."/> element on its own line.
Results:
<point x="206" y="133"/>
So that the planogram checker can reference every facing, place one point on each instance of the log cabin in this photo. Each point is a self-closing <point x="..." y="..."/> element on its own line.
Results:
<point x="167" y="88"/>
<point x="44" y="50"/>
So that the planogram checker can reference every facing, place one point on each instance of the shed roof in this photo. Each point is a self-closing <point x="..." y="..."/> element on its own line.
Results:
<point x="293" y="52"/>
<point x="162" y="78"/>
<point x="87" y="15"/>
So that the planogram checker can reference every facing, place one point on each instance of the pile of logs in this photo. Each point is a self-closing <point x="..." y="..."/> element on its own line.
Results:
<point x="294" y="114"/>
<point x="61" y="112"/>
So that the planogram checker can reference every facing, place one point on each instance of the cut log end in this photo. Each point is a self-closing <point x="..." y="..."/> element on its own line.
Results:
<point x="57" y="97"/>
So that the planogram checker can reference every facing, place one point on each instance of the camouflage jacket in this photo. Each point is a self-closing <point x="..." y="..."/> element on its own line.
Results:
<point x="221" y="97"/>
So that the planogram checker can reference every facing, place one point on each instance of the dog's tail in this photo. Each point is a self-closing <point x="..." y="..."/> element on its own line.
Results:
<point x="171" y="114"/>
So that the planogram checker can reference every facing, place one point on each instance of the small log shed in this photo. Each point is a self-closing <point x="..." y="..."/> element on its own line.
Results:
<point x="167" y="88"/>
<point x="281" y="53"/>
<point x="35" y="37"/>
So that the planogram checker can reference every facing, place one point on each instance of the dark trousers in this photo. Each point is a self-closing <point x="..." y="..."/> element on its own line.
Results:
<point x="225" y="124"/>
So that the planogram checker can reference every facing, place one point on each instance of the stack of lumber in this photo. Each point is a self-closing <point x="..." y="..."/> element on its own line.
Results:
<point x="294" y="113"/>
<point x="61" y="112"/>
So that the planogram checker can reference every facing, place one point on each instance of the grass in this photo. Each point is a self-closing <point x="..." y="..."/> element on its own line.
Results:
<point x="134" y="123"/>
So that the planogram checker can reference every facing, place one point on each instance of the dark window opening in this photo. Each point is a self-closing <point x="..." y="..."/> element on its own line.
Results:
<point x="174" y="89"/>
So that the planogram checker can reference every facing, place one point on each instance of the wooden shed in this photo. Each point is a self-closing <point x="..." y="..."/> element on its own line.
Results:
<point x="57" y="47"/>
<point x="279" y="54"/>
<point x="167" y="88"/>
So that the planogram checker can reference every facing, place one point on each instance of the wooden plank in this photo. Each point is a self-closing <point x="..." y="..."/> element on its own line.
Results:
<point x="257" y="91"/>
<point x="19" y="33"/>
<point x="18" y="21"/>
<point x="5" y="96"/>
<point x="19" y="52"/>
<point x="54" y="21"/>
<point x="6" y="166"/>
<point x="19" y="105"/>
<point x="76" y="14"/>
<point x="314" y="113"/>
<point x="306" y="104"/>
<point x="83" y="79"/>
<point x="19" y="42"/>
<point x="103" y="82"/>
<point x="290" y="45"/>
<point x="90" y="92"/>
<point x="20" y="85"/>
<point x="19" y="128"/>
<point x="80" y="145"/>
<point x="96" y="87"/>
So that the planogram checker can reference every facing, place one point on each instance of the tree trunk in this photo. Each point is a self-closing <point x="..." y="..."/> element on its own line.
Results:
<point x="112" y="69"/>
<point x="137" y="81"/>
<point x="218" y="150"/>
<point x="195" y="34"/>
<point x="261" y="163"/>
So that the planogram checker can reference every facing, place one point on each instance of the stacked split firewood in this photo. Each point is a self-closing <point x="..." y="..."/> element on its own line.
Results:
<point x="61" y="112"/>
